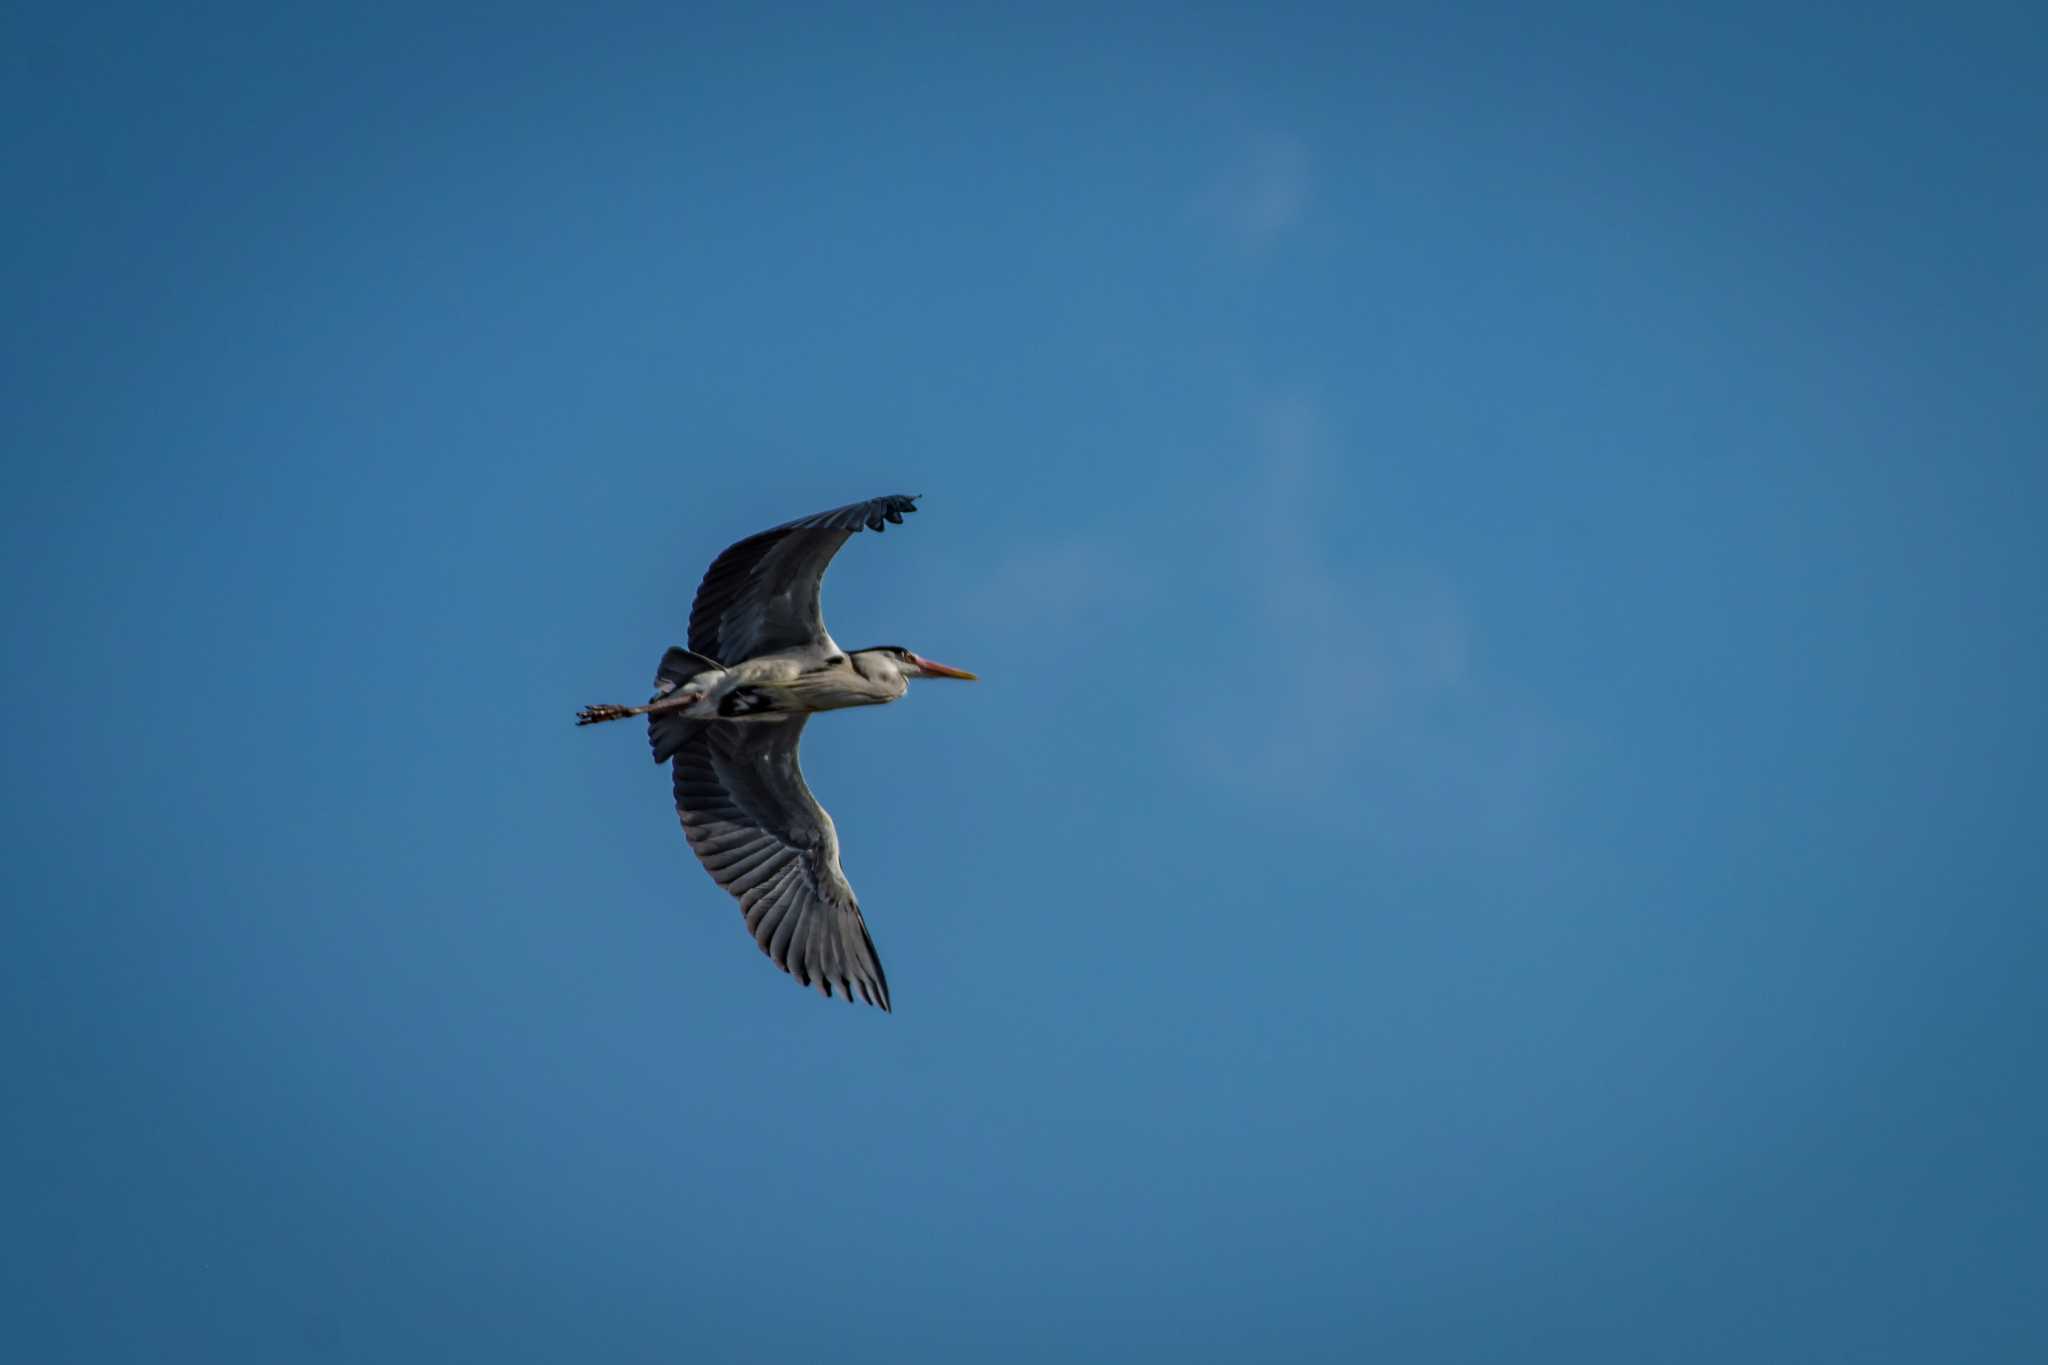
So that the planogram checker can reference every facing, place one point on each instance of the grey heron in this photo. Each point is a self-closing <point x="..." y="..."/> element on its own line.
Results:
<point x="730" y="730"/>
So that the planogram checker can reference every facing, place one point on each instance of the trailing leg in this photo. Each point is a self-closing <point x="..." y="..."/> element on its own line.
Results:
<point x="596" y="715"/>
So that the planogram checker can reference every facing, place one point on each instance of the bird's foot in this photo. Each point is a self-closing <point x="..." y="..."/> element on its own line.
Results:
<point x="592" y="715"/>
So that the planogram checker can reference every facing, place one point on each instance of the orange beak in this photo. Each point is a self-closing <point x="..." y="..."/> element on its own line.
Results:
<point x="939" y="670"/>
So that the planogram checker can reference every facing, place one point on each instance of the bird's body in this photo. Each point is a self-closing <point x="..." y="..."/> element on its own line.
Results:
<point x="792" y="682"/>
<point x="727" y="714"/>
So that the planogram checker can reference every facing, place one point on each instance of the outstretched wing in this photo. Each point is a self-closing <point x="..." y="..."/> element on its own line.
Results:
<point x="759" y="832"/>
<point x="761" y="595"/>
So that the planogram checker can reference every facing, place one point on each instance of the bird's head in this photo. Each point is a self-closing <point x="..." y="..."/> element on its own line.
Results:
<point x="914" y="665"/>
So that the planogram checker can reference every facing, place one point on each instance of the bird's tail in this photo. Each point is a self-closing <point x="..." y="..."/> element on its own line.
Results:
<point x="666" y="731"/>
<point x="677" y="667"/>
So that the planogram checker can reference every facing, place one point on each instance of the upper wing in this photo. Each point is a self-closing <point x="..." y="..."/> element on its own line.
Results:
<point x="759" y="832"/>
<point x="761" y="595"/>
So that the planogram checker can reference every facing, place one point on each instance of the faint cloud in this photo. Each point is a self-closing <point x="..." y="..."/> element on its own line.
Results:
<point x="1263" y="194"/>
<point x="1365" y="671"/>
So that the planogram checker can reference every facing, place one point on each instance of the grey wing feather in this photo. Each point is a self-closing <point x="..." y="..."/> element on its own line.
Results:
<point x="752" y="821"/>
<point x="761" y="595"/>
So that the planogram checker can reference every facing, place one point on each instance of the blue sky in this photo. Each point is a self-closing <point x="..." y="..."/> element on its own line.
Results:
<point x="1504" y="816"/>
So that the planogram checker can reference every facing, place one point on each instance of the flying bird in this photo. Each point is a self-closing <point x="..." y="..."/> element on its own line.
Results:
<point x="729" y="731"/>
